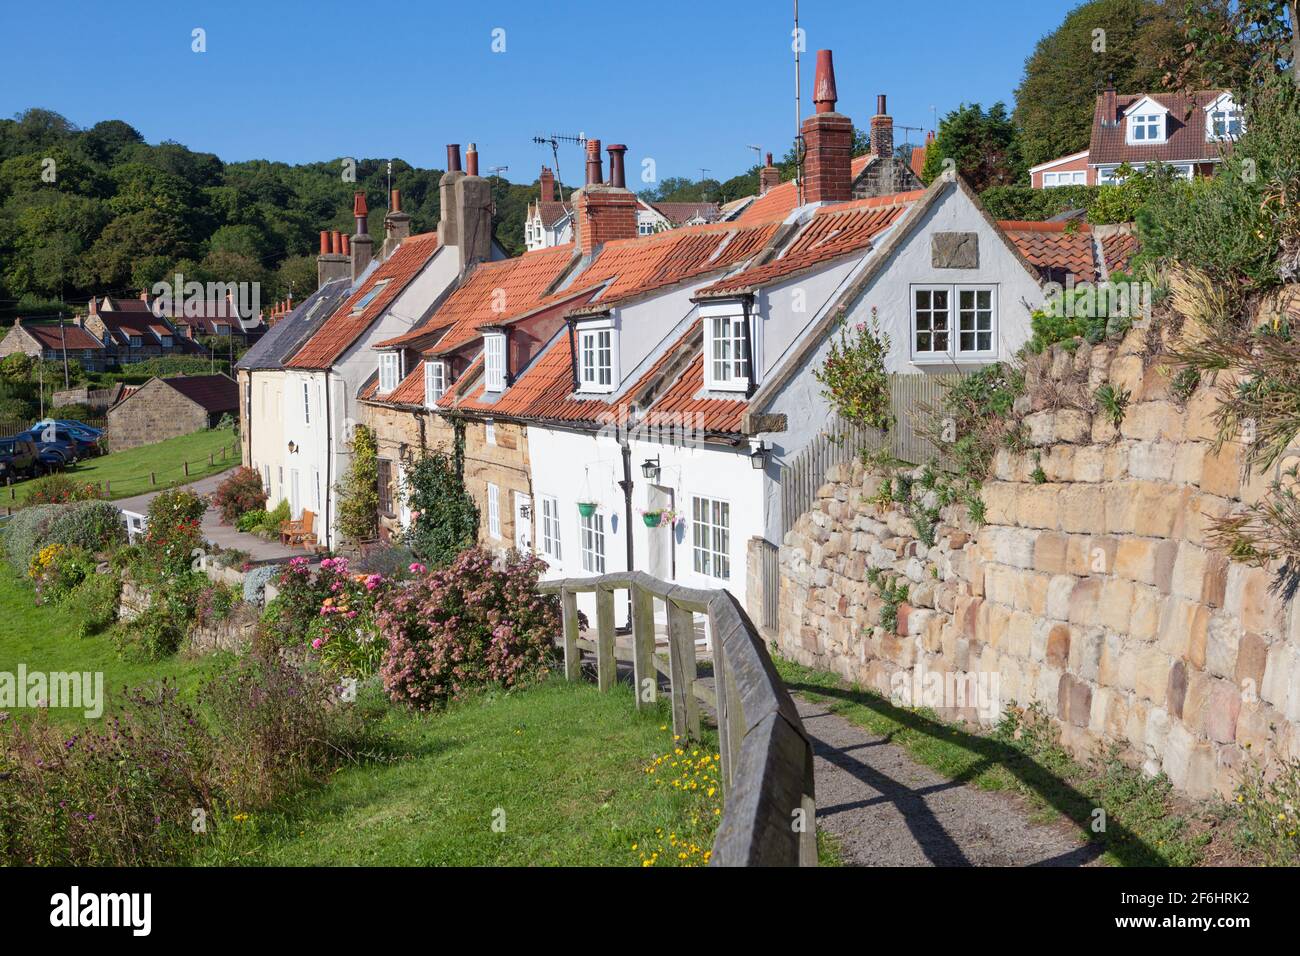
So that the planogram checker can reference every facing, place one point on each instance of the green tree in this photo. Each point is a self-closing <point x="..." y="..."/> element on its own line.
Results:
<point x="359" y="490"/>
<point x="444" y="518"/>
<point x="984" y="146"/>
<point x="1056" y="98"/>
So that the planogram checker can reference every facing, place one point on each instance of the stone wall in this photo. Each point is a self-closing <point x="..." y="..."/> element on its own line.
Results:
<point x="155" y="412"/>
<point x="1092" y="590"/>
<point x="404" y="435"/>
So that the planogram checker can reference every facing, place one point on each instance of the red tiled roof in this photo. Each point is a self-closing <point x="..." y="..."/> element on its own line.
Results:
<point x="917" y="159"/>
<point x="679" y="212"/>
<point x="492" y="291"/>
<point x="50" y="337"/>
<point x="779" y="201"/>
<point x="681" y="405"/>
<point x="1185" y="138"/>
<point x="1056" y="249"/>
<point x="1119" y="249"/>
<point x="552" y="212"/>
<point x="342" y="329"/>
<point x="833" y="231"/>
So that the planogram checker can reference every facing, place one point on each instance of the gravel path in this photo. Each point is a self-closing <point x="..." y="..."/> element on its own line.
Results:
<point x="888" y="810"/>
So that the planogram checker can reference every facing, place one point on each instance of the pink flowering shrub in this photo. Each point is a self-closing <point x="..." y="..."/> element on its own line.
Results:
<point x="464" y="625"/>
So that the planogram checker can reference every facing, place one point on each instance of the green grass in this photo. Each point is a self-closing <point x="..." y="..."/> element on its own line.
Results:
<point x="43" y="638"/>
<point x="558" y="767"/>
<point x="1144" y="826"/>
<point x="127" y="472"/>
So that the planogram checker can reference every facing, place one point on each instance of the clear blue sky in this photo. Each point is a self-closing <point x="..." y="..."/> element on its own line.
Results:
<point x="687" y="82"/>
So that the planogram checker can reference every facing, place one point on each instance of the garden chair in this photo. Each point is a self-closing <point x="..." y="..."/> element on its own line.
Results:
<point x="297" y="532"/>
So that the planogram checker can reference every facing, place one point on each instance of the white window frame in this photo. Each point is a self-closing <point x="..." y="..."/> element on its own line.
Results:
<point x="550" y="527"/>
<point x="591" y="533"/>
<point x="727" y="365"/>
<point x="954" y="350"/>
<point x="931" y="353"/>
<point x="390" y="371"/>
<point x="490" y="432"/>
<point x="1069" y="177"/>
<point x="593" y="340"/>
<point x="494" y="361"/>
<point x="494" y="511"/>
<point x="1151" y="118"/>
<point x="1225" y="111"/>
<point x="306" y="403"/>
<point x="435" y="381"/>
<point x="711" y="537"/>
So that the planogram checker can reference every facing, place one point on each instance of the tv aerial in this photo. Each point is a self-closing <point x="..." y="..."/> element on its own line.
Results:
<point x="554" y="140"/>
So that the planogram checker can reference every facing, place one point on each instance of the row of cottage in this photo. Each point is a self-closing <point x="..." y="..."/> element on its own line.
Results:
<point x="619" y="373"/>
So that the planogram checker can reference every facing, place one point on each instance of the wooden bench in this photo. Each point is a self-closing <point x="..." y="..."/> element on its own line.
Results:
<point x="298" y="532"/>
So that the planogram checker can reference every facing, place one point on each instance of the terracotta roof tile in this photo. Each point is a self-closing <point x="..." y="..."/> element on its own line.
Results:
<point x="1119" y="249"/>
<point x="833" y="231"/>
<point x="50" y="337"/>
<point x="679" y="212"/>
<point x="780" y="201"/>
<point x="1056" y="249"/>
<point x="342" y="329"/>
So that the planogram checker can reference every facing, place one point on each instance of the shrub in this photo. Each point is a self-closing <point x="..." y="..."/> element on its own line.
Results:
<point x="94" y="604"/>
<point x="57" y="569"/>
<point x="239" y="494"/>
<point x="25" y="533"/>
<point x="854" y="379"/>
<point x="1026" y="204"/>
<point x="444" y="517"/>
<point x="93" y="525"/>
<point x="172" y="537"/>
<point x="332" y="612"/>
<point x="119" y="795"/>
<point x="59" y="489"/>
<point x="359" y="490"/>
<point x="469" y="624"/>
<point x="251" y="520"/>
<point x="153" y="635"/>
<point x="215" y="603"/>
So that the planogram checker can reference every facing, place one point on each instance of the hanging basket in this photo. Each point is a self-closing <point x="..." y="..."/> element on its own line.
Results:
<point x="651" y="518"/>
<point x="586" y="508"/>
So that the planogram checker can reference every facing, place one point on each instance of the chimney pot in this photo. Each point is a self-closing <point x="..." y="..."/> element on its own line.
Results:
<point x="880" y="105"/>
<point x="882" y="131"/>
<point x="324" y="242"/>
<point x="395" y="201"/>
<point x="453" y="157"/>
<point x="593" y="162"/>
<point x="336" y="243"/>
<point x="616" y="177"/>
<point x="824" y="94"/>
<point x="769" y="159"/>
<point x="345" y="248"/>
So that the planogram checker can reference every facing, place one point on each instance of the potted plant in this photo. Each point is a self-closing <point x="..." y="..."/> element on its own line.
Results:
<point x="651" y="518"/>
<point x="586" y="508"/>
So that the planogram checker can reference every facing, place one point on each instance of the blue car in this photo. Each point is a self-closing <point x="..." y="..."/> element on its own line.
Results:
<point x="71" y="425"/>
<point x="56" y="439"/>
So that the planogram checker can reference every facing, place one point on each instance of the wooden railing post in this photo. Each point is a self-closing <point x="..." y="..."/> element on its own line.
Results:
<point x="681" y="665"/>
<point x="606" y="663"/>
<point x="572" y="656"/>
<point x="644" y="676"/>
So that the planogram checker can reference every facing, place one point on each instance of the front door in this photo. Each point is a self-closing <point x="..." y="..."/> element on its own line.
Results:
<point x="523" y="523"/>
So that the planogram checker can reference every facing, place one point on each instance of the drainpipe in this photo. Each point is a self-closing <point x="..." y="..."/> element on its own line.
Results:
<point x="626" y="485"/>
<point x="329" y="461"/>
<point x="745" y="302"/>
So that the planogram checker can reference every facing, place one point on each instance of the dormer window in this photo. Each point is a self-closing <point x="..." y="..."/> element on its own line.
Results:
<point x="726" y="350"/>
<point x="365" y="300"/>
<point x="596" y="354"/>
<point x="137" y="342"/>
<point x="435" y="381"/>
<point x="166" y="341"/>
<point x="1223" y="119"/>
<point x="494" y="361"/>
<point x="1145" y="121"/>
<point x="390" y="371"/>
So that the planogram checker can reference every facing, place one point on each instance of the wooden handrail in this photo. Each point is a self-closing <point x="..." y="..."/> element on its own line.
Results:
<point x="769" y="807"/>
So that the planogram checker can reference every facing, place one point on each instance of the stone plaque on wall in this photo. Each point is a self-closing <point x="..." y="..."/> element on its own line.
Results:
<point x="955" y="250"/>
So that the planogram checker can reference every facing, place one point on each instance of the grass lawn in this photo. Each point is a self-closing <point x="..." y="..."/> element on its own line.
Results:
<point x="558" y="768"/>
<point x="127" y="472"/>
<point x="43" y="638"/>
<point x="1146" y="824"/>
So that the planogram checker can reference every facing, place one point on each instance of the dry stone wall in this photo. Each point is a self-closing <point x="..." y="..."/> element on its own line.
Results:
<point x="1092" y="589"/>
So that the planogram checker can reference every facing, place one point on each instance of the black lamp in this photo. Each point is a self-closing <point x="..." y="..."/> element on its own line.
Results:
<point x="758" y="455"/>
<point x="650" y="468"/>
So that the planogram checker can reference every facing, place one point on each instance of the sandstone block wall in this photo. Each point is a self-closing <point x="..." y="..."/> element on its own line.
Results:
<point x="1092" y="589"/>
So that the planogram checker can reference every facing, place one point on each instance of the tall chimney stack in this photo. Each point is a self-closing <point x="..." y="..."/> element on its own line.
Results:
<point x="882" y="131"/>
<point x="828" y="137"/>
<point x="397" y="224"/>
<point x="546" y="185"/>
<point x="362" y="244"/>
<point x="768" y="177"/>
<point x="330" y="265"/>
<point x="604" y="211"/>
<point x="448" y="225"/>
<point x="472" y="212"/>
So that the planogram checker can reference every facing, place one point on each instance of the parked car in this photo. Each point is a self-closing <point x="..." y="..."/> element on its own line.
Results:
<point x="51" y="459"/>
<point x="71" y="424"/>
<point x="59" y="439"/>
<point x="89" y="440"/>
<point x="19" y="458"/>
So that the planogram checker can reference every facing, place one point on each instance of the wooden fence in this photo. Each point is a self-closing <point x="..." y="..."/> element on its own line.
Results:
<point x="769" y="810"/>
<point x="844" y="442"/>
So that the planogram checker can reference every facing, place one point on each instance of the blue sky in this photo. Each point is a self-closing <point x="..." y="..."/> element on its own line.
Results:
<point x="689" y="83"/>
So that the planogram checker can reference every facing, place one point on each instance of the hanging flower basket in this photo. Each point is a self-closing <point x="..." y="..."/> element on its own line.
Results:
<point x="651" y="518"/>
<point x="586" y="508"/>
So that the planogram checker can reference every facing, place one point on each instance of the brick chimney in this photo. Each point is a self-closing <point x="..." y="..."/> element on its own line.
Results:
<point x="448" y="226"/>
<point x="768" y="177"/>
<point x="330" y="264"/>
<point x="362" y="244"/>
<point x="397" y="224"/>
<point x="604" y="211"/>
<point x="546" y="185"/>
<point x="1109" y="105"/>
<point x="882" y="131"/>
<point x="828" y="140"/>
<point x="471" y="209"/>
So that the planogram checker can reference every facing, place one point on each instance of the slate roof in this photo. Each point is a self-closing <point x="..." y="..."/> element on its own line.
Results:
<point x="48" y="336"/>
<point x="215" y="393"/>
<point x="287" y="335"/>
<point x="1185" y="135"/>
<point x="338" y="333"/>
